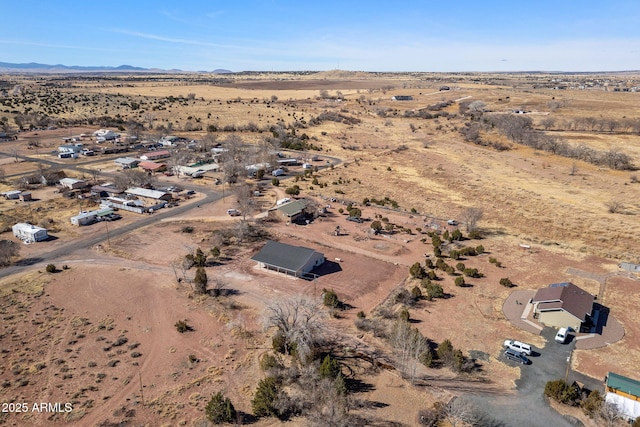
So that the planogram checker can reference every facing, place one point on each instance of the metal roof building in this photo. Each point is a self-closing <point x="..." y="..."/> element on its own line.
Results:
<point x="624" y="393"/>
<point x="292" y="260"/>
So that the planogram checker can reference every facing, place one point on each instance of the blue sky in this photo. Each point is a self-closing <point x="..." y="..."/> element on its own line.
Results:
<point x="273" y="35"/>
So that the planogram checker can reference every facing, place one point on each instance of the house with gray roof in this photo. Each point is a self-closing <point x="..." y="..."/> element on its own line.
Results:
<point x="562" y="305"/>
<point x="296" y="261"/>
<point x="289" y="211"/>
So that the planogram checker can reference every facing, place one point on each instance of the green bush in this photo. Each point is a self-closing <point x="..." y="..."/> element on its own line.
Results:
<point x="269" y="362"/>
<point x="330" y="299"/>
<point x="275" y="182"/>
<point x="475" y="235"/>
<point x="416" y="293"/>
<point x="459" y="281"/>
<point x="404" y="315"/>
<point x="506" y="282"/>
<point x="182" y="326"/>
<point x="361" y="315"/>
<point x="433" y="290"/>
<point x="220" y="409"/>
<point x="562" y="392"/>
<point x="453" y="254"/>
<point x="330" y="368"/>
<point x="460" y="267"/>
<point x="472" y="272"/>
<point x="480" y="249"/>
<point x="51" y="268"/>
<point x="417" y="271"/>
<point x="264" y="399"/>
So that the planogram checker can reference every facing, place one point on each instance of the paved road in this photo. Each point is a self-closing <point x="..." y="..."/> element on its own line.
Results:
<point x="528" y="407"/>
<point x="87" y="242"/>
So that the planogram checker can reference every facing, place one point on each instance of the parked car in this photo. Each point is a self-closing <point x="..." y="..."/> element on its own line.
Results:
<point x="518" y="346"/>
<point x="112" y="217"/>
<point x="233" y="212"/>
<point x="452" y="222"/>
<point x="355" y="219"/>
<point x="278" y="172"/>
<point x="283" y="201"/>
<point x="561" y="336"/>
<point x="516" y="356"/>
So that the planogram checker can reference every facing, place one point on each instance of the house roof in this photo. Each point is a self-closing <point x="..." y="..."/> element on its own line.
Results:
<point x="292" y="208"/>
<point x="144" y="192"/>
<point x="151" y="165"/>
<point x="155" y="154"/>
<point x="126" y="160"/>
<point x="623" y="384"/>
<point x="70" y="181"/>
<point x="565" y="296"/>
<point x="106" y="189"/>
<point x="287" y="257"/>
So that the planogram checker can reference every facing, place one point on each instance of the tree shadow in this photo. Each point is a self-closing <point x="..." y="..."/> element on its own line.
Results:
<point x="355" y="385"/>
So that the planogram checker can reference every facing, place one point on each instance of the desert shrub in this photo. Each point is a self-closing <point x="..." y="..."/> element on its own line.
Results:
<point x="427" y="358"/>
<point x="269" y="362"/>
<point x="264" y="399"/>
<point x="417" y="271"/>
<point x="275" y="182"/>
<point x="361" y="315"/>
<point x="437" y="252"/>
<point x="200" y="281"/>
<point x="220" y="409"/>
<point x="560" y="391"/>
<point x="475" y="235"/>
<point x="121" y="340"/>
<point x="445" y="351"/>
<point x="456" y="235"/>
<point x="330" y="299"/>
<point x="404" y="315"/>
<point x="182" y="326"/>
<point x="480" y="249"/>
<point x="506" y="282"/>
<point x="460" y="267"/>
<point x="416" y="293"/>
<point x="459" y="281"/>
<point x="136" y="354"/>
<point x="428" y="263"/>
<point x="472" y="272"/>
<point x="187" y="229"/>
<point x="453" y="254"/>
<point x="592" y="404"/>
<point x="330" y="368"/>
<point x="51" y="268"/>
<point x="433" y="290"/>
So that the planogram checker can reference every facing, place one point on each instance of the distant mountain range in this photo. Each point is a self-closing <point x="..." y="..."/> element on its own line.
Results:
<point x="34" y="67"/>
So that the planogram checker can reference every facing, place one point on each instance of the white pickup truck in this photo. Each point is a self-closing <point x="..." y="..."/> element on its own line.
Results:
<point x="518" y="346"/>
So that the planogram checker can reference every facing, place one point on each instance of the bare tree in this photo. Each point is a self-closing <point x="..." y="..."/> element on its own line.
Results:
<point x="8" y="250"/>
<point x="244" y="199"/>
<point x="574" y="169"/>
<point x="459" y="413"/>
<point x="470" y="217"/>
<point x="298" y="320"/>
<point x="610" y="414"/>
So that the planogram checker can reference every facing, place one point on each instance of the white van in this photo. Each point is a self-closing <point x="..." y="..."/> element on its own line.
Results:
<point x="278" y="172"/>
<point x="561" y="336"/>
<point x="518" y="346"/>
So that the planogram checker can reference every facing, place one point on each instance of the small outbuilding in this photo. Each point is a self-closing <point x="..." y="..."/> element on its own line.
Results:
<point x="12" y="195"/>
<point x="155" y="155"/>
<point x="292" y="260"/>
<point x="402" y="98"/>
<point x="72" y="183"/>
<point x="29" y="233"/>
<point x="153" y="195"/>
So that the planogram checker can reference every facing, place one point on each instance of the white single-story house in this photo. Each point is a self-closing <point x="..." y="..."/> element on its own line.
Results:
<point x="86" y="218"/>
<point x="562" y="305"/>
<point x="105" y="135"/>
<point x="624" y="393"/>
<point x="297" y="261"/>
<point x="72" y="183"/>
<point x="29" y="233"/>
<point x="69" y="148"/>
